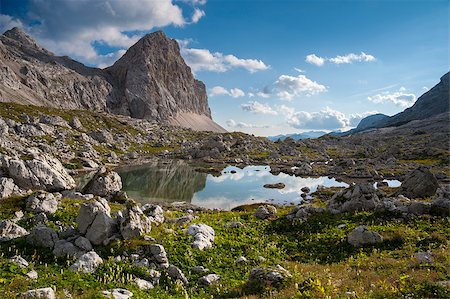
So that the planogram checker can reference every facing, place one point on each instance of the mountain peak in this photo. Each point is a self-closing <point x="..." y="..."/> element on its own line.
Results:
<point x="19" y="35"/>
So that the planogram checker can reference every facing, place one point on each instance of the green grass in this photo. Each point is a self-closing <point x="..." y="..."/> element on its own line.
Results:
<point x="315" y="252"/>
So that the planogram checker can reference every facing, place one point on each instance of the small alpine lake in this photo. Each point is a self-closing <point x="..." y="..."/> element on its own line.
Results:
<point x="171" y="181"/>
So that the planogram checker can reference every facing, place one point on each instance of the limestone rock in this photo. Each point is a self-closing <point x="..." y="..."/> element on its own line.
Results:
<point x="176" y="274"/>
<point x="104" y="183"/>
<point x="87" y="263"/>
<point x="268" y="275"/>
<point x="143" y="284"/>
<point x="360" y="197"/>
<point x="44" y="293"/>
<point x="159" y="255"/>
<point x="419" y="183"/>
<point x="19" y="261"/>
<point x="43" y="202"/>
<point x="7" y="187"/>
<point x="208" y="280"/>
<point x="42" y="236"/>
<point x="362" y="236"/>
<point x="154" y="213"/>
<point x="264" y="212"/>
<point x="65" y="249"/>
<point x="133" y="222"/>
<point x="203" y="235"/>
<point x="95" y="222"/>
<point x="83" y="243"/>
<point x="117" y="294"/>
<point x="9" y="230"/>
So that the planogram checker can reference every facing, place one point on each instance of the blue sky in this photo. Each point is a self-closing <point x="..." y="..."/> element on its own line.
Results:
<point x="270" y="67"/>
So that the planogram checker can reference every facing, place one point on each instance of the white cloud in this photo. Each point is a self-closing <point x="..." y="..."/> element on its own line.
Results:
<point x="198" y="14"/>
<point x="352" y="57"/>
<point x="237" y="93"/>
<point x="340" y="59"/>
<point x="204" y="60"/>
<point x="399" y="98"/>
<point x="258" y="108"/>
<point x="314" y="59"/>
<point x="69" y="27"/>
<point x="288" y="87"/>
<point x="299" y="70"/>
<point x="326" y="119"/>
<point x="7" y="22"/>
<point x="219" y="90"/>
<point x="242" y="125"/>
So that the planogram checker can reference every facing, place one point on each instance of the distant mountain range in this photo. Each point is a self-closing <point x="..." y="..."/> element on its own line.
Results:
<point x="434" y="102"/>
<point x="298" y="136"/>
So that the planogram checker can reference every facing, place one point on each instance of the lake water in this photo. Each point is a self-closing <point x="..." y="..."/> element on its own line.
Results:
<point x="170" y="181"/>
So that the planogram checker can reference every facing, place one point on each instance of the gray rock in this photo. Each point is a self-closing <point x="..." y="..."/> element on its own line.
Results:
<point x="235" y="224"/>
<point x="32" y="275"/>
<point x="87" y="263"/>
<point x="42" y="236"/>
<point x="76" y="124"/>
<point x="305" y="190"/>
<point x="208" y="280"/>
<point x="200" y="270"/>
<point x="304" y="212"/>
<point x="43" y="202"/>
<point x="19" y="261"/>
<point x="154" y="212"/>
<point x="133" y="222"/>
<point x="203" y="235"/>
<point x="104" y="183"/>
<point x="275" y="186"/>
<point x="41" y="172"/>
<point x="44" y="293"/>
<point x="268" y="275"/>
<point x="241" y="259"/>
<point x="143" y="284"/>
<point x="362" y="236"/>
<point x="264" y="212"/>
<point x="9" y="230"/>
<point x="40" y="218"/>
<point x="419" y="208"/>
<point x="419" y="183"/>
<point x="117" y="294"/>
<point x="176" y="274"/>
<point x="360" y="197"/>
<point x="7" y="187"/>
<point x="53" y="120"/>
<point x="83" y="243"/>
<point x="65" y="249"/>
<point x="159" y="255"/>
<point x="102" y="136"/>
<point x="95" y="222"/>
<point x="424" y="257"/>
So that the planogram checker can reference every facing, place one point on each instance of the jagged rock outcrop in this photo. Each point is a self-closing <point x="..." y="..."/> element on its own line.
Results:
<point x="150" y="81"/>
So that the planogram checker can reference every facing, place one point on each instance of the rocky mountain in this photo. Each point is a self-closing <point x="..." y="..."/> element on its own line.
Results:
<point x="434" y="102"/>
<point x="298" y="136"/>
<point x="151" y="81"/>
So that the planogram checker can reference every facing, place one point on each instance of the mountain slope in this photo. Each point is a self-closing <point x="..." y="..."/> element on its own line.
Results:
<point x="151" y="81"/>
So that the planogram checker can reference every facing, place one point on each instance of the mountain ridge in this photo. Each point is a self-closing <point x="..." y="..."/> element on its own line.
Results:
<point x="150" y="81"/>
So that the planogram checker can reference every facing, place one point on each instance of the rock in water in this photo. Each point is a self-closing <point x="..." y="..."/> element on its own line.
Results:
<point x="362" y="236"/>
<point x="419" y="183"/>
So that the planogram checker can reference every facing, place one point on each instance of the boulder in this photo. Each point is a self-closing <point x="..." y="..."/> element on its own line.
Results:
<point x="117" y="294"/>
<point x="87" y="263"/>
<point x="43" y="202"/>
<point x="419" y="183"/>
<point x="268" y="275"/>
<point x="360" y="197"/>
<point x="133" y="222"/>
<point x="203" y="235"/>
<point x="159" y="255"/>
<point x="303" y="212"/>
<point x="19" y="261"/>
<point x="42" y="171"/>
<point x="32" y="275"/>
<point x="83" y="243"/>
<point x="9" y="230"/>
<point x="264" y="212"/>
<point x="76" y="124"/>
<point x="95" y="222"/>
<point x="143" y="284"/>
<point x="104" y="183"/>
<point x="44" y="293"/>
<point x="65" y="249"/>
<point x="208" y="280"/>
<point x="154" y="213"/>
<point x="42" y="236"/>
<point x="362" y="236"/>
<point x="7" y="187"/>
<point x="176" y="274"/>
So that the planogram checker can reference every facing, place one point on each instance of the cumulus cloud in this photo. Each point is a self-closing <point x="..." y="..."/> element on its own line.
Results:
<point x="233" y="92"/>
<point x="258" y="108"/>
<point x="314" y="59"/>
<point x="204" y="60"/>
<point x="242" y="125"/>
<point x="72" y="27"/>
<point x="326" y="119"/>
<point x="198" y="14"/>
<point x="352" y="57"/>
<point x="399" y="98"/>
<point x="288" y="87"/>
<point x="340" y="59"/>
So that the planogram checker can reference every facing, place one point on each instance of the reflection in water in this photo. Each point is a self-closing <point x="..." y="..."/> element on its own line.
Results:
<point x="176" y="181"/>
<point x="166" y="181"/>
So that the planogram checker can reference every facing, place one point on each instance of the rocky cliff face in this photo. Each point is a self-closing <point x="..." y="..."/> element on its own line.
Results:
<point x="151" y="81"/>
